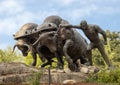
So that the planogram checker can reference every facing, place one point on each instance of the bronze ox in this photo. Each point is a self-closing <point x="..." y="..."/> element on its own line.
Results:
<point x="45" y="43"/>
<point x="25" y="41"/>
<point x="47" y="46"/>
<point x="67" y="42"/>
<point x="74" y="47"/>
<point x="28" y="34"/>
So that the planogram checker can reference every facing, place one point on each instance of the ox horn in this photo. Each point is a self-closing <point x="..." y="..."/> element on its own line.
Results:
<point x="14" y="48"/>
<point x="28" y="47"/>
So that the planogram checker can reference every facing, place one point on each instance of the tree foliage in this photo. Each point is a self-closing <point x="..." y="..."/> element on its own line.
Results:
<point x="29" y="60"/>
<point x="112" y="49"/>
<point x="112" y="77"/>
<point x="114" y="40"/>
<point x="8" y="56"/>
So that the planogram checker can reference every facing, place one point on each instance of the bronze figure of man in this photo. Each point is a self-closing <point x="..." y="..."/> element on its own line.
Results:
<point x="92" y="31"/>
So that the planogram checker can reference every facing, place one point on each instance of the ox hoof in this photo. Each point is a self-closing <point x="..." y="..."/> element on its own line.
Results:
<point x="33" y="64"/>
<point x="88" y="64"/>
<point x="72" y="67"/>
<point x="60" y="67"/>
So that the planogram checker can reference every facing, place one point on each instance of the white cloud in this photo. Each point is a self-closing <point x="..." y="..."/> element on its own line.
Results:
<point x="17" y="15"/>
<point x="11" y="7"/>
<point x="11" y="24"/>
<point x="78" y="13"/>
<point x="90" y="8"/>
<point x="62" y="2"/>
<point x="104" y="7"/>
<point x="66" y="2"/>
<point x="7" y="26"/>
<point x="9" y="10"/>
<point x="107" y="10"/>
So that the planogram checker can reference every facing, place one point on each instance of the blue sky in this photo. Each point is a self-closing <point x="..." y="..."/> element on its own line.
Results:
<point x="15" y="13"/>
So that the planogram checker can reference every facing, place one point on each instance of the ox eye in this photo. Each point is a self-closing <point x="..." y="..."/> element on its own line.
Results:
<point x="49" y="25"/>
<point x="26" y="32"/>
<point x="35" y="29"/>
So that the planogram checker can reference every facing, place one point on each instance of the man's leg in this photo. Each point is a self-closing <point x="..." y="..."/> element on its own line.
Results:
<point x="102" y="51"/>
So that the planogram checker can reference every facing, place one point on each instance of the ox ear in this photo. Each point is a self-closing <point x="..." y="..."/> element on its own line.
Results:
<point x="51" y="34"/>
<point x="13" y="35"/>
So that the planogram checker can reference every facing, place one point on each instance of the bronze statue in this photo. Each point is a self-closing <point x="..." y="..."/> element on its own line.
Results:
<point x="73" y="45"/>
<point x="29" y="40"/>
<point x="92" y="31"/>
<point x="25" y="41"/>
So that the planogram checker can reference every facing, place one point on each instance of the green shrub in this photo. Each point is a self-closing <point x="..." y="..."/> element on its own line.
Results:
<point x="105" y="76"/>
<point x="8" y="56"/>
<point x="35" y="78"/>
<point x="97" y="58"/>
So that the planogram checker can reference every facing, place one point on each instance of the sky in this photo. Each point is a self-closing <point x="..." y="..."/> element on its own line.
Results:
<point x="16" y="13"/>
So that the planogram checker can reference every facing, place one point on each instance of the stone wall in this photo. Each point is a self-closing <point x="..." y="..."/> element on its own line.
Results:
<point x="19" y="73"/>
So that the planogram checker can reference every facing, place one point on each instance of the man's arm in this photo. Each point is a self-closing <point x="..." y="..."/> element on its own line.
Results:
<point x="70" y="26"/>
<point x="99" y="30"/>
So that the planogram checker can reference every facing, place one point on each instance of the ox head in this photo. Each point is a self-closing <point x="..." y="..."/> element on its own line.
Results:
<point x="64" y="31"/>
<point x="47" y="40"/>
<point x="22" y="46"/>
<point x="47" y="27"/>
<point x="25" y="30"/>
<point x="22" y="37"/>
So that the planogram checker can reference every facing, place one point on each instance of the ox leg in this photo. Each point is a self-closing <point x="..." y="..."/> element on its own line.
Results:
<point x="33" y="53"/>
<point x="60" y="63"/>
<point x="49" y="62"/>
<point x="77" y="64"/>
<point x="34" y="59"/>
<point x="89" y="53"/>
<point x="68" y="44"/>
<point x="41" y="56"/>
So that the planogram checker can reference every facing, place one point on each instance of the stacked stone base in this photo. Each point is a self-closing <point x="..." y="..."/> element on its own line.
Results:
<point x="19" y="73"/>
